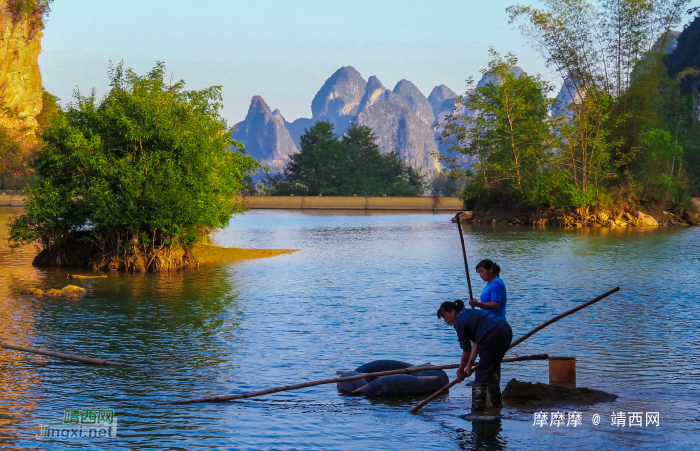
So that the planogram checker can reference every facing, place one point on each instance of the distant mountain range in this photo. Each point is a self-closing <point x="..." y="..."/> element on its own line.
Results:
<point x="402" y="119"/>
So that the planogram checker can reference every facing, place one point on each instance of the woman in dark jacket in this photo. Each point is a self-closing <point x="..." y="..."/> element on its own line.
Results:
<point x="488" y="336"/>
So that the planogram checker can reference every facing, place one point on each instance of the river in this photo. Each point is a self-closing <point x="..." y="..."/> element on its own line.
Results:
<point x="362" y="287"/>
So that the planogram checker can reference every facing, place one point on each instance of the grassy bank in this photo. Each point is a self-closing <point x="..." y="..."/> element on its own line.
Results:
<point x="206" y="253"/>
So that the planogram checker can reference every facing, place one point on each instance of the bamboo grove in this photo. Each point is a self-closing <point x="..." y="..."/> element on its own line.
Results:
<point x="628" y="134"/>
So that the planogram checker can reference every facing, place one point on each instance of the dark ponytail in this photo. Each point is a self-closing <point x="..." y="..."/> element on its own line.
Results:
<point x="488" y="264"/>
<point x="448" y="306"/>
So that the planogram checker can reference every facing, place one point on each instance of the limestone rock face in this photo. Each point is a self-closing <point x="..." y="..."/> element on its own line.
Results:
<point x="438" y="97"/>
<point x="297" y="128"/>
<point x="416" y="100"/>
<point x="686" y="55"/>
<point x="442" y="100"/>
<point x="376" y="92"/>
<point x="265" y="136"/>
<point x="20" y="79"/>
<point x="339" y="98"/>
<point x="401" y="119"/>
<point x="399" y="129"/>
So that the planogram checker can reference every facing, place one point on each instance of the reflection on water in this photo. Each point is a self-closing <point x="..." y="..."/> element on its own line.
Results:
<point x="363" y="287"/>
<point x="484" y="435"/>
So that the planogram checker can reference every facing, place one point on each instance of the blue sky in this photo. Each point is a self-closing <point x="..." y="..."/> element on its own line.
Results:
<point x="282" y="50"/>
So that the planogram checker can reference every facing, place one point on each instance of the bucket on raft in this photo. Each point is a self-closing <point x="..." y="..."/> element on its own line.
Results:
<point x="562" y="371"/>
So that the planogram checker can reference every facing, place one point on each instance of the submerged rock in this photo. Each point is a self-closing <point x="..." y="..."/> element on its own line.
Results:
<point x="72" y="290"/>
<point x="527" y="394"/>
<point x="33" y="292"/>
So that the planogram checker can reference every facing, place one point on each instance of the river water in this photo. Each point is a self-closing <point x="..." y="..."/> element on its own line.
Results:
<point x="362" y="287"/>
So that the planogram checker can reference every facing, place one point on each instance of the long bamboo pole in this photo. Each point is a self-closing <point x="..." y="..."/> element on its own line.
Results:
<point x="338" y="379"/>
<point x="563" y="315"/>
<point x="434" y="395"/>
<point x="464" y="253"/>
<point x="520" y="340"/>
<point x="65" y="356"/>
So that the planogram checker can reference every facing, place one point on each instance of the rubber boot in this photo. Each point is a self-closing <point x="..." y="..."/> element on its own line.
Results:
<point x="493" y="389"/>
<point x="478" y="398"/>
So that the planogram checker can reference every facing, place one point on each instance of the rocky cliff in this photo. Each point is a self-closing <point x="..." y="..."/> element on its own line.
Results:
<point x="339" y="98"/>
<point x="376" y="92"/>
<point x="20" y="79"/>
<point x="398" y="129"/>
<point x="441" y="100"/>
<point x="401" y="119"/>
<point x="686" y="55"/>
<point x="265" y="136"/>
<point x="416" y="101"/>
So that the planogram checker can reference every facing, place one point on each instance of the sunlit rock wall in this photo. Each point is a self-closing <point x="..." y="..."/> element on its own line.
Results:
<point x="20" y="79"/>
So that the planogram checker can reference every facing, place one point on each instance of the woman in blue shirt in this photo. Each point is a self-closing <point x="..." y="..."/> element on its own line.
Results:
<point x="489" y="337"/>
<point x="493" y="298"/>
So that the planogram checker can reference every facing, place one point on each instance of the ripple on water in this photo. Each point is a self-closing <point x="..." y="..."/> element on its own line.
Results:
<point x="363" y="287"/>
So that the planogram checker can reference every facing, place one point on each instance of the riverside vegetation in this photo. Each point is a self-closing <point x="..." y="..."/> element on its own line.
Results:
<point x="134" y="181"/>
<point x="629" y="139"/>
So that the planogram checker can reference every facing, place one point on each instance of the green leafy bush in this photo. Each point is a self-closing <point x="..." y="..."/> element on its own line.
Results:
<point x="146" y="168"/>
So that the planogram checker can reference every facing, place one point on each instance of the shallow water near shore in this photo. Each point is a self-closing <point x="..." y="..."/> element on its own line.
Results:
<point x="362" y="287"/>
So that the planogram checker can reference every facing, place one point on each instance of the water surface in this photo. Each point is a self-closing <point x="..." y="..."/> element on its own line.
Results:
<point x="362" y="287"/>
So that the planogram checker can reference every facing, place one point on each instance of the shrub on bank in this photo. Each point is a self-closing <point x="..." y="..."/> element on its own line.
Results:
<point x="133" y="181"/>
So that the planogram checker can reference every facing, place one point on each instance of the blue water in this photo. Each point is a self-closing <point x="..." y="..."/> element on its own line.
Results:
<point x="362" y="287"/>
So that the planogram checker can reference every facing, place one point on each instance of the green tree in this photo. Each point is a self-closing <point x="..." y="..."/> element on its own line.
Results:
<point x="352" y="164"/>
<point x="317" y="168"/>
<point x="660" y="168"/>
<point x="49" y="109"/>
<point x="586" y="149"/>
<point x="364" y="162"/>
<point x="506" y="126"/>
<point x="612" y="59"/>
<point x="142" y="173"/>
<point x="16" y="140"/>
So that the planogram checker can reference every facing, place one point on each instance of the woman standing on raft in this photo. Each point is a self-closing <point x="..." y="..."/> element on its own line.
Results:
<point x="479" y="333"/>
<point x="493" y="298"/>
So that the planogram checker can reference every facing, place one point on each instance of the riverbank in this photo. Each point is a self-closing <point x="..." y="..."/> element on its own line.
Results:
<point x="79" y="253"/>
<point x="11" y="199"/>
<point x="84" y="255"/>
<point x="584" y="217"/>
<point x="207" y="253"/>
<point x="435" y="203"/>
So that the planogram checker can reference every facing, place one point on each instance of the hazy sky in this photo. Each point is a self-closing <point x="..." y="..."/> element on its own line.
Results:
<point x="283" y="50"/>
